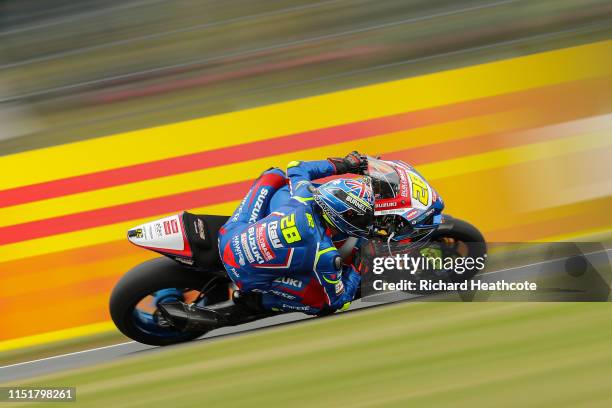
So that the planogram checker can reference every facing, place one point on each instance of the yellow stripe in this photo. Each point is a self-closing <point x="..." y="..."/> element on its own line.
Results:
<point x="302" y="200"/>
<point x="164" y="186"/>
<point x="92" y="236"/>
<point x="345" y="307"/>
<point x="66" y="334"/>
<point x="588" y="235"/>
<point x="592" y="60"/>
<point x="327" y="219"/>
<point x="447" y="168"/>
<point x="319" y="253"/>
<point x="293" y="164"/>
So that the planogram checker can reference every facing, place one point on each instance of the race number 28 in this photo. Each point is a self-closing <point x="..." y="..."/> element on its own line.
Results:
<point x="289" y="230"/>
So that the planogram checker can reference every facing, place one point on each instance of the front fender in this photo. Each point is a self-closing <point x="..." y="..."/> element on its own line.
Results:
<point x="447" y="224"/>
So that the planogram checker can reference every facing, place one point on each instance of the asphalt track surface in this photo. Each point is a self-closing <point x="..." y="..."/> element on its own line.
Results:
<point x="85" y="358"/>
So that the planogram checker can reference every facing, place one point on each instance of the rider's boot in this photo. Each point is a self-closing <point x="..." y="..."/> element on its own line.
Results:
<point x="242" y="308"/>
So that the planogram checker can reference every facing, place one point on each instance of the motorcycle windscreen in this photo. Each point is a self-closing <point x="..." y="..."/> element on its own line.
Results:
<point x="400" y="190"/>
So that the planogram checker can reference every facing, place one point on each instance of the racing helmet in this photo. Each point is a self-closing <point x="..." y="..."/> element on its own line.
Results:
<point x="347" y="204"/>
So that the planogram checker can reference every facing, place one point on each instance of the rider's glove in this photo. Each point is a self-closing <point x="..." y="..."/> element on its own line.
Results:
<point x="352" y="163"/>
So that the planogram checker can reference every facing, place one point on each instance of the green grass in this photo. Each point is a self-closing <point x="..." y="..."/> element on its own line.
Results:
<point x="415" y="354"/>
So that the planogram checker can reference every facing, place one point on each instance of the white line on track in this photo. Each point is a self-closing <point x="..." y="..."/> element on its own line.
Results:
<point x="67" y="354"/>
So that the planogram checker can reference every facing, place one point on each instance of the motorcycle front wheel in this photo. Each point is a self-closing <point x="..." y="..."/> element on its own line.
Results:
<point x="454" y="239"/>
<point x="459" y="239"/>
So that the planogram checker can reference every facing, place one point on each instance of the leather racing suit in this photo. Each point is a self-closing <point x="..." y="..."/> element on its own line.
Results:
<point x="276" y="243"/>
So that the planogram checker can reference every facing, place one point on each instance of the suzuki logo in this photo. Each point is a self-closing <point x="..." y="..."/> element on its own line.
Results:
<point x="258" y="204"/>
<point x="296" y="283"/>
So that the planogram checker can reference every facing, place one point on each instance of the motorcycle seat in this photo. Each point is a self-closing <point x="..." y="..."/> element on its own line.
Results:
<point x="202" y="231"/>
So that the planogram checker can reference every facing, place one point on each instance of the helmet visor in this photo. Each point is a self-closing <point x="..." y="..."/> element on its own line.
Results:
<point x="358" y="220"/>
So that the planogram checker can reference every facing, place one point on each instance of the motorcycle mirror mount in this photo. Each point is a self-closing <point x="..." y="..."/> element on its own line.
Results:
<point x="389" y="242"/>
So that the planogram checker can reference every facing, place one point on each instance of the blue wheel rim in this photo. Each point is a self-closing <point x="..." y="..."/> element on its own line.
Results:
<point x="147" y="322"/>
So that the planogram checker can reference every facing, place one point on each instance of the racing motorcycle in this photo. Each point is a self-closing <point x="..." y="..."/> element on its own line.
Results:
<point x="408" y="217"/>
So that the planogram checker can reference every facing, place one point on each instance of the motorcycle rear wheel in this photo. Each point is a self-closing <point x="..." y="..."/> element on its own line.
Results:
<point x="143" y="282"/>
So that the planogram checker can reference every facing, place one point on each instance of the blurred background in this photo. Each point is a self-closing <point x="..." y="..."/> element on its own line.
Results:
<point x="73" y="70"/>
<point x="115" y="112"/>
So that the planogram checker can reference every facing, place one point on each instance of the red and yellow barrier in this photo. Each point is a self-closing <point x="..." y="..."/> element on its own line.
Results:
<point x="519" y="147"/>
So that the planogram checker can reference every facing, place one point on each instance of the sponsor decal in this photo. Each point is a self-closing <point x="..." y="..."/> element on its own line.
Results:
<point x="386" y="204"/>
<point x="399" y="211"/>
<point x="284" y="265"/>
<point x="339" y="287"/>
<point x="170" y="227"/>
<point x="273" y="235"/>
<point x="423" y="216"/>
<point x="238" y="250"/>
<point x="159" y="230"/>
<point x="199" y="229"/>
<point x="357" y="203"/>
<point x="245" y="246"/>
<point x="296" y="308"/>
<point x="404" y="187"/>
<point x="310" y="220"/>
<point x="411" y="214"/>
<point x="262" y="244"/>
<point x="186" y="261"/>
<point x="239" y="210"/>
<point x="135" y="233"/>
<point x="258" y="204"/>
<point x="296" y="283"/>
<point x="282" y="294"/>
<point x="253" y="245"/>
<point x="234" y="272"/>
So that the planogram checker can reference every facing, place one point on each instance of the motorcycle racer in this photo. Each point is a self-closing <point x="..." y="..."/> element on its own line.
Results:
<point x="279" y="252"/>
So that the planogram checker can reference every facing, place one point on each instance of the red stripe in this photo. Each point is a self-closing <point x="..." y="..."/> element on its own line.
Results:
<point x="123" y="212"/>
<point x="283" y="144"/>
<point x="212" y="158"/>
<point x="213" y="195"/>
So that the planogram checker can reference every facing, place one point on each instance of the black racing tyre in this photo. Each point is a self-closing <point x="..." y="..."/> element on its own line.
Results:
<point x="466" y="238"/>
<point x="143" y="280"/>
<point x="453" y="239"/>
